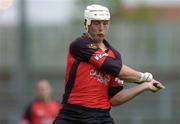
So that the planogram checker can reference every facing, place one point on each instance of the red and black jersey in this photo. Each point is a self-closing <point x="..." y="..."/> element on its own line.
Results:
<point x="39" y="112"/>
<point x="91" y="74"/>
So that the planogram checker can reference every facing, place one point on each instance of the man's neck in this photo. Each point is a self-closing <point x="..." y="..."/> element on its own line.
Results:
<point x="44" y="100"/>
<point x="100" y="44"/>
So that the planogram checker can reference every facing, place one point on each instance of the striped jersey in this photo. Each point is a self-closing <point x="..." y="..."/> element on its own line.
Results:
<point x="91" y="74"/>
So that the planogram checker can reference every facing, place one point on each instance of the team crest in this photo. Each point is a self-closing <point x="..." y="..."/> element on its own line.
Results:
<point x="92" y="46"/>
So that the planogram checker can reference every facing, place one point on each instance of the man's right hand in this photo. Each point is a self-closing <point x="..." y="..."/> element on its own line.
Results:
<point x="154" y="85"/>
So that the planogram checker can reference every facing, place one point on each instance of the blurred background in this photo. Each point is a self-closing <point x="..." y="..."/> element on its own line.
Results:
<point x="34" y="38"/>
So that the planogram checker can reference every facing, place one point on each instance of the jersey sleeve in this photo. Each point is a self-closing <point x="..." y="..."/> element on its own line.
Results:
<point x="115" y="86"/>
<point x="86" y="50"/>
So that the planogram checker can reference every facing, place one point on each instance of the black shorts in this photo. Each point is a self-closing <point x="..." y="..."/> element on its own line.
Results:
<point x="73" y="114"/>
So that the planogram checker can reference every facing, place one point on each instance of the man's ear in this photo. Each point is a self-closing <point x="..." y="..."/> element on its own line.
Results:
<point x="85" y="21"/>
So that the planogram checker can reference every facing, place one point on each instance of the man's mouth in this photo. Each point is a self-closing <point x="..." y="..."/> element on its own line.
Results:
<point x="100" y="35"/>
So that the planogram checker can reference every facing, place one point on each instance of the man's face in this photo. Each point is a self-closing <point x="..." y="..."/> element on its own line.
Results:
<point x="43" y="89"/>
<point x="98" y="29"/>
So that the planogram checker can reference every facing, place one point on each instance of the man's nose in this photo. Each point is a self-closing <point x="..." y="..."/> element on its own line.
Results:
<point x="101" y="26"/>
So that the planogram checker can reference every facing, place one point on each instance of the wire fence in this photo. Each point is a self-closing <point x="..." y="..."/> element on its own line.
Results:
<point x="150" y="47"/>
<point x="33" y="45"/>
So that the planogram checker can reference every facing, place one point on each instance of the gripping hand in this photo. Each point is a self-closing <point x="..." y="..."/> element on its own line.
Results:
<point x="146" y="77"/>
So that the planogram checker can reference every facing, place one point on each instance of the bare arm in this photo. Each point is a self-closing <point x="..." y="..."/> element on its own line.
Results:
<point x="128" y="94"/>
<point x="81" y="50"/>
<point x="131" y="75"/>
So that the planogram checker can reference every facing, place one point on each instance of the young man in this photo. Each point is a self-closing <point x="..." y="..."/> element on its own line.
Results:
<point x="43" y="109"/>
<point x="94" y="75"/>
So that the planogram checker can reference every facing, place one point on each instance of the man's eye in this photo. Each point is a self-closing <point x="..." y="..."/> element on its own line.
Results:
<point x="105" y="23"/>
<point x="96" y="23"/>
